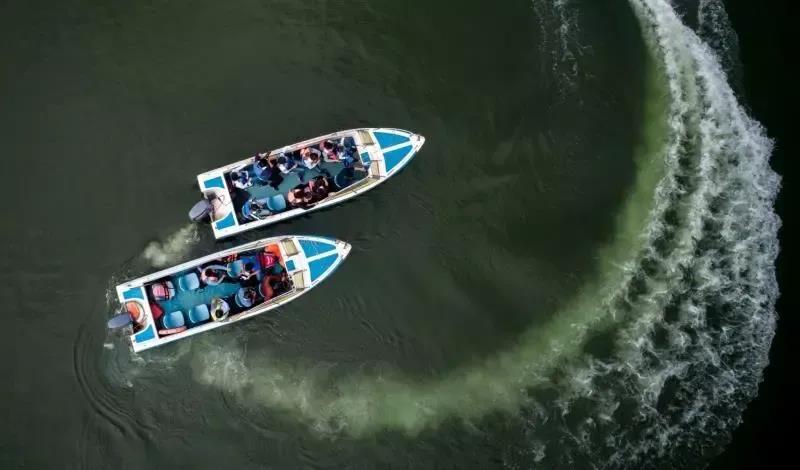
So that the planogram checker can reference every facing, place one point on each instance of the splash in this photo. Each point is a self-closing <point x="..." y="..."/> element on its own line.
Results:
<point x="715" y="28"/>
<point x="173" y="249"/>
<point x="560" y="43"/>
<point x="699" y="318"/>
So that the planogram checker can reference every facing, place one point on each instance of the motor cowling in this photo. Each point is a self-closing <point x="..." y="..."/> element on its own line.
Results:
<point x="200" y="211"/>
<point x="121" y="320"/>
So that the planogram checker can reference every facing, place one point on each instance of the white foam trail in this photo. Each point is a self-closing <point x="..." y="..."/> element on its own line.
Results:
<point x="694" y="353"/>
<point x="715" y="28"/>
<point x="173" y="249"/>
<point x="222" y="365"/>
<point x="560" y="42"/>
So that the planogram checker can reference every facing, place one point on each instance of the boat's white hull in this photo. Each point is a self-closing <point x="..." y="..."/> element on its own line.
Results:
<point x="301" y="267"/>
<point x="388" y="150"/>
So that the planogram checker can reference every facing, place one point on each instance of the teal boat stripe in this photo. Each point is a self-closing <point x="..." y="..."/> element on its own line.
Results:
<point x="394" y="157"/>
<point x="319" y="267"/>
<point x="318" y="256"/>
<point x="135" y="293"/>
<point x="228" y="221"/>
<point x="214" y="183"/>
<point x="312" y="248"/>
<point x="390" y="139"/>
<point x="145" y="335"/>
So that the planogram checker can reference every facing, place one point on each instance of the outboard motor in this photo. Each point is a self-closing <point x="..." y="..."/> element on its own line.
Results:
<point x="201" y="210"/>
<point x="133" y="314"/>
<point x="121" y="320"/>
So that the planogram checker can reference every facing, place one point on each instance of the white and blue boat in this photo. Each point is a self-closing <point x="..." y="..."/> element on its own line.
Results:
<point x="223" y="288"/>
<point x="259" y="190"/>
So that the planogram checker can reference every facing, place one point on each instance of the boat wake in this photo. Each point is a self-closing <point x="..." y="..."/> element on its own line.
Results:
<point x="172" y="250"/>
<point x="560" y="44"/>
<point x="658" y="355"/>
<point x="714" y="27"/>
<point x="694" y="321"/>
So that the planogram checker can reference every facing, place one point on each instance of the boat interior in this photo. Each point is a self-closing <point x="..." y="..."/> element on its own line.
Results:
<point x="218" y="289"/>
<point x="261" y="188"/>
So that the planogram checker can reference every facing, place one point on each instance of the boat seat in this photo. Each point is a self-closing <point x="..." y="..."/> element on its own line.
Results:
<point x="199" y="314"/>
<point x="241" y="298"/>
<point x="247" y="211"/>
<point x="235" y="268"/>
<point x="163" y="290"/>
<point x="276" y="203"/>
<point x="213" y="275"/>
<point x="174" y="320"/>
<point x="263" y="208"/>
<point x="188" y="281"/>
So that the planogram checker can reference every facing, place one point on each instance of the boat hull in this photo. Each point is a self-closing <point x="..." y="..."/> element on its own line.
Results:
<point x="382" y="152"/>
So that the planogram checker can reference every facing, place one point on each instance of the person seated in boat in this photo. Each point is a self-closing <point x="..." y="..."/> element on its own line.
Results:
<point x="249" y="271"/>
<point x="241" y="179"/>
<point x="255" y="209"/>
<point x="219" y="309"/>
<point x="266" y="169"/>
<point x="286" y="164"/>
<point x="274" y="285"/>
<point x="213" y="275"/>
<point x="261" y="205"/>
<point x="259" y="157"/>
<point x="320" y="188"/>
<point x="261" y="166"/>
<point x="335" y="151"/>
<point x="310" y="157"/>
<point x="268" y="259"/>
<point x="245" y="297"/>
<point x="235" y="267"/>
<point x="331" y="150"/>
<point x="300" y="196"/>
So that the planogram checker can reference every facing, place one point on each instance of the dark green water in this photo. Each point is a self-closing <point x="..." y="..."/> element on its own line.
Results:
<point x="525" y="293"/>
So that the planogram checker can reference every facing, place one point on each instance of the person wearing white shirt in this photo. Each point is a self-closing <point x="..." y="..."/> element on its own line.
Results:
<point x="241" y="179"/>
<point x="286" y="163"/>
<point x="310" y="157"/>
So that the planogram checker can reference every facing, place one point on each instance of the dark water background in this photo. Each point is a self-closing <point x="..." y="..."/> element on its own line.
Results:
<point x="110" y="109"/>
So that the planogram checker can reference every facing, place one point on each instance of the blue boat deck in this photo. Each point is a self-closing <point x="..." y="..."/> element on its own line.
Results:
<point x="191" y="292"/>
<point x="186" y="300"/>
